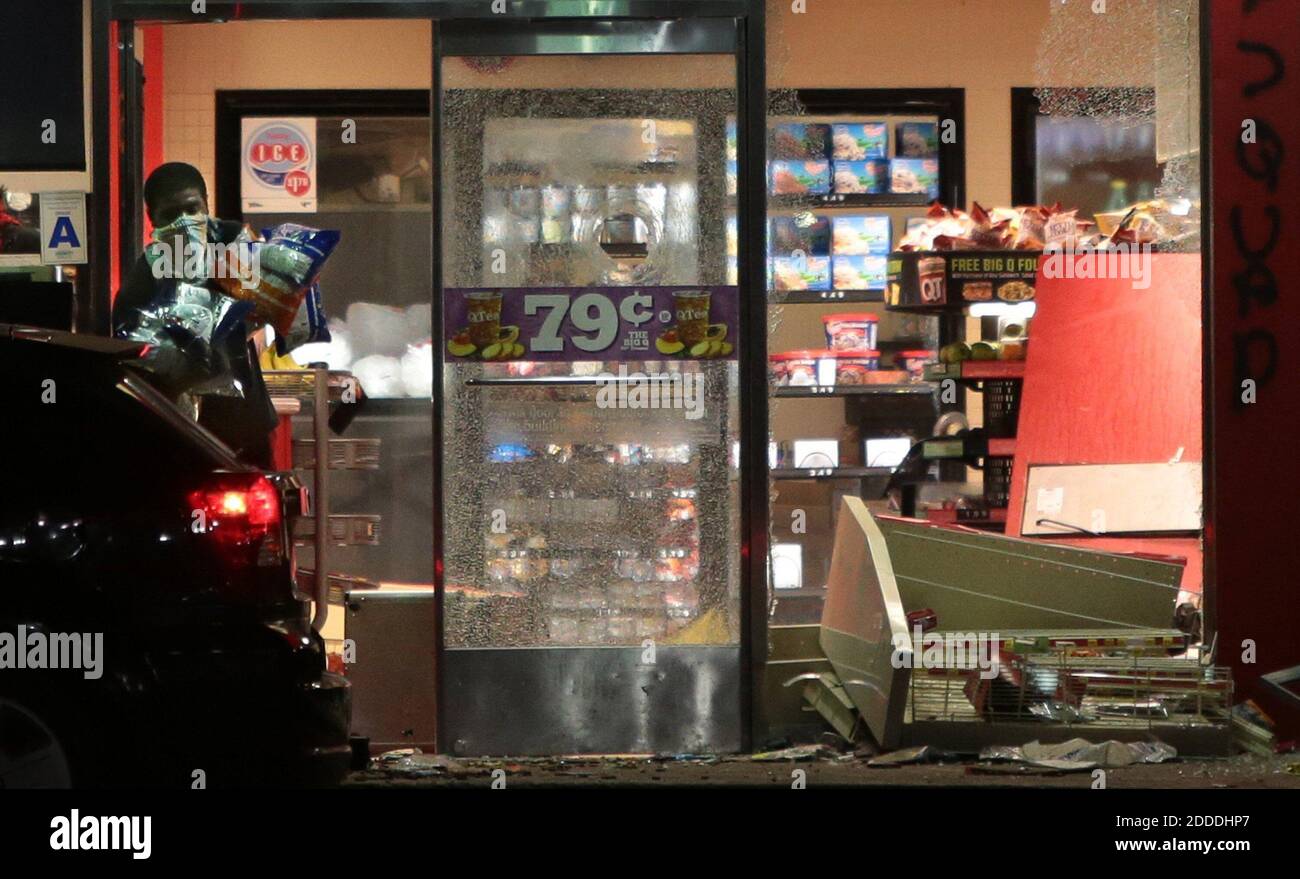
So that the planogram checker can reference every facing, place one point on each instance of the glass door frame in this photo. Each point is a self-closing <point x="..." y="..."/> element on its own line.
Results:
<point x="721" y="28"/>
<point x="535" y="27"/>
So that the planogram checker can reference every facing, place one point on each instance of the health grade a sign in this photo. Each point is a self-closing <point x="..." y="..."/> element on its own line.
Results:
<point x="278" y="165"/>
<point x="63" y="228"/>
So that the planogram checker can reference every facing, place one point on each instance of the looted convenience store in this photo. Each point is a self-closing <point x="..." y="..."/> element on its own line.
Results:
<point x="533" y="543"/>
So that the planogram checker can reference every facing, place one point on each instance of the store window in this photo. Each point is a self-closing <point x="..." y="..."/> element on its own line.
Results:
<point x="985" y="331"/>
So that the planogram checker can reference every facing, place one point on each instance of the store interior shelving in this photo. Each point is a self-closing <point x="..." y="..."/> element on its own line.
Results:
<point x="890" y="403"/>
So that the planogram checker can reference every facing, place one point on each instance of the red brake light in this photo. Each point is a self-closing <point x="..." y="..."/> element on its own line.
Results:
<point x="237" y="508"/>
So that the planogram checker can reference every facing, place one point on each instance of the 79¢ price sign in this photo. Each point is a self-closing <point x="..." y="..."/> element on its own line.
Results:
<point x="590" y="323"/>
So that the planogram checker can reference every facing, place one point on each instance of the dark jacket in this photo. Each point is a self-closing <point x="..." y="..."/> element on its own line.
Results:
<point x="245" y="423"/>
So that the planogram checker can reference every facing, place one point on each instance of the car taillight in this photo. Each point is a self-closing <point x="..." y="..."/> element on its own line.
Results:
<point x="240" y="511"/>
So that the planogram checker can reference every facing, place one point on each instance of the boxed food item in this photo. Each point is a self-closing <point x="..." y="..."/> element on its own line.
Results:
<point x="800" y="140"/>
<point x="853" y="366"/>
<point x="860" y="272"/>
<point x="800" y="178"/>
<point x="795" y="368"/>
<point x="860" y="235"/>
<point x="914" y="361"/>
<point x="801" y="273"/>
<point x="914" y="176"/>
<point x="917" y="140"/>
<point x="850" y="331"/>
<point x="808" y="233"/>
<point x="885" y="451"/>
<point x="810" y="453"/>
<point x="858" y="141"/>
<point x="861" y="178"/>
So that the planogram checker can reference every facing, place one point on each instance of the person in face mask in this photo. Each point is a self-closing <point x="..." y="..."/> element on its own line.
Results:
<point x="176" y="190"/>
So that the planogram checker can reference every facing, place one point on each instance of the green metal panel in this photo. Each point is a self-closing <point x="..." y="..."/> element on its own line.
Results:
<point x="990" y="583"/>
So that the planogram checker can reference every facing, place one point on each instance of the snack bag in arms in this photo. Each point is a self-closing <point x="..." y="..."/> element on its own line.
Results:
<point x="287" y="263"/>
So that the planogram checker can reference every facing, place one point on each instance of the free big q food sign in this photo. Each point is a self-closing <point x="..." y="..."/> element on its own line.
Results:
<point x="278" y="165"/>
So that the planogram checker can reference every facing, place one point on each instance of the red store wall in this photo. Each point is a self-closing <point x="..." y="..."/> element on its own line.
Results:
<point x="1255" y="314"/>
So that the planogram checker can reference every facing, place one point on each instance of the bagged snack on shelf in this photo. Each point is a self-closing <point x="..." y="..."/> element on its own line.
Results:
<point x="1061" y="231"/>
<point x="987" y="233"/>
<point x="1031" y="228"/>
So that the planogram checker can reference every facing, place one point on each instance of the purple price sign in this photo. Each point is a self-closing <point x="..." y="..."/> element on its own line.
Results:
<point x="591" y="323"/>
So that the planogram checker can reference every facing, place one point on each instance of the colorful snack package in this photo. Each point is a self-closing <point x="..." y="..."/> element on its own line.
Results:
<point x="1061" y="231"/>
<point x="184" y="336"/>
<point x="310" y="324"/>
<point x="284" y="266"/>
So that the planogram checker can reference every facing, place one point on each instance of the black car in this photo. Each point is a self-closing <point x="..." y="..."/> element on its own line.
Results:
<point x="123" y="520"/>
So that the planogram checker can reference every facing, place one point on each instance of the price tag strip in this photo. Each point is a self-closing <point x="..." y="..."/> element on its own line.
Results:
<point x="590" y="323"/>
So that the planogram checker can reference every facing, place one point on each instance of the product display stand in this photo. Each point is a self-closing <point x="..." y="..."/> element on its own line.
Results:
<point x="999" y="383"/>
<point x="320" y="388"/>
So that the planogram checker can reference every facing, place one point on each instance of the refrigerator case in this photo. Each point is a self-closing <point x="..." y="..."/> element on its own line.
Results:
<point x="592" y="567"/>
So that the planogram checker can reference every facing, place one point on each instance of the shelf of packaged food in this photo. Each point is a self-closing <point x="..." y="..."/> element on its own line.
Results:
<point x="975" y="370"/>
<point x="828" y="472"/>
<point x="821" y="297"/>
<point x="909" y="389"/>
<point x="855" y="200"/>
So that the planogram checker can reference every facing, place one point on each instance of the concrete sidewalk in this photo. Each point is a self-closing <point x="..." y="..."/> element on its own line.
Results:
<point x="437" y="771"/>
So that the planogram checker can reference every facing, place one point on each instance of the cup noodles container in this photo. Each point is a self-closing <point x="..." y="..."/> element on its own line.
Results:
<point x="914" y="361"/>
<point x="854" y="366"/>
<point x="799" y="368"/>
<point x="850" y="330"/>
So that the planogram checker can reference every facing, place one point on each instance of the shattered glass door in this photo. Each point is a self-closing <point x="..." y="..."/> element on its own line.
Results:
<point x="590" y="415"/>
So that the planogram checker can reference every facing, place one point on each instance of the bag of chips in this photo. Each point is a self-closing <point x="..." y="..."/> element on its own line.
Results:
<point x="309" y="324"/>
<point x="284" y="266"/>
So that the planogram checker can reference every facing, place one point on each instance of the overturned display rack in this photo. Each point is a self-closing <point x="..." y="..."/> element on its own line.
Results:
<point x="320" y="388"/>
<point x="1071" y="642"/>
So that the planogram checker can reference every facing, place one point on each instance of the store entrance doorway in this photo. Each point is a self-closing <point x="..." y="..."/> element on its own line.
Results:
<point x="591" y="408"/>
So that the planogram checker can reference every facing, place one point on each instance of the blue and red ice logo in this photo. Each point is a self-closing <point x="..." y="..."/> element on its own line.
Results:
<point x="278" y="154"/>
